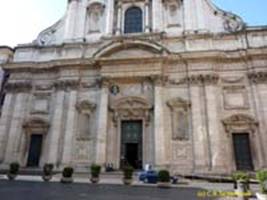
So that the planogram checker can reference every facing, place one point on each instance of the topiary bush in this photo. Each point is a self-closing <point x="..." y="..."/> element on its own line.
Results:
<point x="14" y="168"/>
<point x="128" y="172"/>
<point x="164" y="176"/>
<point x="67" y="172"/>
<point x="48" y="169"/>
<point x="95" y="170"/>
<point x="262" y="178"/>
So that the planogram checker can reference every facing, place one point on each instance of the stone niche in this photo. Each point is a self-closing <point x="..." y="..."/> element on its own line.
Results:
<point x="235" y="97"/>
<point x="95" y="12"/>
<point x="85" y="110"/>
<point x="180" y="118"/>
<point x="84" y="145"/>
<point x="173" y="13"/>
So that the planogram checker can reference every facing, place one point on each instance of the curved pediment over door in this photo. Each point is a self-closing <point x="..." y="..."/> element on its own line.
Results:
<point x="130" y="49"/>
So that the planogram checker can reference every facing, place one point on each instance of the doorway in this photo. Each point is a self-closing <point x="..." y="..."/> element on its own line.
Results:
<point x="35" y="150"/>
<point x="242" y="152"/>
<point x="131" y="143"/>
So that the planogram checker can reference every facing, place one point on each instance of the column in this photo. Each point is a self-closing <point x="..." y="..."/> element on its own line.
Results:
<point x="119" y="18"/>
<point x="159" y="137"/>
<point x="70" y="129"/>
<point x="56" y="127"/>
<point x="101" y="137"/>
<point x="5" y="123"/>
<point x="199" y="128"/>
<point x="11" y="154"/>
<point x="147" y="26"/>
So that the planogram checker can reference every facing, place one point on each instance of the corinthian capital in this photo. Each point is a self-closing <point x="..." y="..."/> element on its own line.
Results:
<point x="207" y="79"/>
<point x="257" y="77"/>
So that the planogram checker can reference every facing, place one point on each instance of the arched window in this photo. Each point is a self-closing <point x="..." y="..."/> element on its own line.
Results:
<point x="133" y="20"/>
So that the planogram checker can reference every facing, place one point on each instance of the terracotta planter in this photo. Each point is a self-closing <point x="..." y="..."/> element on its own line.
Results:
<point x="11" y="176"/>
<point x="66" y="180"/>
<point x="261" y="196"/>
<point x="94" y="180"/>
<point x="127" y="181"/>
<point x="47" y="178"/>
<point x="164" y="184"/>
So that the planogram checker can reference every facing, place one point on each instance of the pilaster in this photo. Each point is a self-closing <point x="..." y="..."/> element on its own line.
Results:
<point x="5" y="120"/>
<point x="157" y="15"/>
<point x="71" y="19"/>
<point x="69" y="129"/>
<point x="56" y="126"/>
<point x="218" y="156"/>
<point x="101" y="134"/>
<point x="110" y="17"/>
<point x="147" y="25"/>
<point x="199" y="86"/>
<point x="159" y="137"/>
<point x="258" y="84"/>
<point x="119" y="19"/>
<point x="15" y="131"/>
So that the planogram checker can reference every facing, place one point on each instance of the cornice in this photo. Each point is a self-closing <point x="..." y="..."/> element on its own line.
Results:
<point x="36" y="66"/>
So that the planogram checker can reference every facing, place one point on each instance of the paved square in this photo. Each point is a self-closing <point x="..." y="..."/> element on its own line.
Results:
<point x="24" y="190"/>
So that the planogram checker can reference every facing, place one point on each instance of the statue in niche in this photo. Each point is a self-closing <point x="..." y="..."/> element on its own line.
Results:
<point x="95" y="12"/>
<point x="173" y="13"/>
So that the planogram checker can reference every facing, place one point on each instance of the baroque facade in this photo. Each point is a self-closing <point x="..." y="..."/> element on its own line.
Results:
<point x="171" y="83"/>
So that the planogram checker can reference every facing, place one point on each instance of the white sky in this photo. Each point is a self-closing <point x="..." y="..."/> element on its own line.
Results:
<point x="22" y="20"/>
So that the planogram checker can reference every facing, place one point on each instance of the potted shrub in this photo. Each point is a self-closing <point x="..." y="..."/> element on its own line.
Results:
<point x="241" y="182"/>
<point x="128" y="175"/>
<point x="262" y="178"/>
<point x="95" y="171"/>
<point x="13" y="170"/>
<point x="67" y="175"/>
<point x="164" y="179"/>
<point x="47" y="171"/>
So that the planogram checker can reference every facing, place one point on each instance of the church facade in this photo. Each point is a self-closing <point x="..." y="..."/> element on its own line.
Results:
<point x="178" y="84"/>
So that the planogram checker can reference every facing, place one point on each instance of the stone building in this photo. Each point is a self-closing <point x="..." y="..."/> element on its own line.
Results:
<point x="178" y="84"/>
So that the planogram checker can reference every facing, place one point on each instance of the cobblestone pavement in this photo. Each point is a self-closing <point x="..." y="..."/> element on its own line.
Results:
<point x="27" y="190"/>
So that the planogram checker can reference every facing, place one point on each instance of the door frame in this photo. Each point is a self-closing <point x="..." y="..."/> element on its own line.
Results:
<point x="34" y="126"/>
<point x="243" y="123"/>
